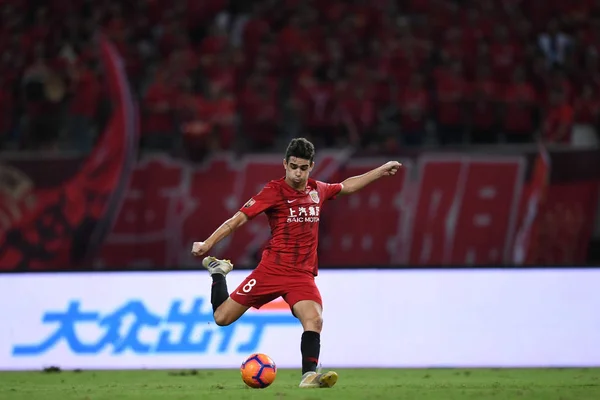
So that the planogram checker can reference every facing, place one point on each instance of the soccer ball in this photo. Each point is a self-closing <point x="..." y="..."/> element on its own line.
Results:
<point x="258" y="371"/>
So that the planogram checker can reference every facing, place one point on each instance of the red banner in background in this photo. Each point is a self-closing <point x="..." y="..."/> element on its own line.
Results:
<point x="463" y="209"/>
<point x="442" y="210"/>
<point x="566" y="224"/>
<point x="466" y="210"/>
<point x="62" y="226"/>
<point x="527" y="241"/>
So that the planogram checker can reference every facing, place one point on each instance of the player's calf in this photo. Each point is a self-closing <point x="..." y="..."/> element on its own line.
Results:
<point x="218" y="269"/>
<point x="310" y="315"/>
<point x="310" y="348"/>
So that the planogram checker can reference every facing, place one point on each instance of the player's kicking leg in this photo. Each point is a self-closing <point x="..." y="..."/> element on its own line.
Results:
<point x="225" y="310"/>
<point x="310" y="315"/>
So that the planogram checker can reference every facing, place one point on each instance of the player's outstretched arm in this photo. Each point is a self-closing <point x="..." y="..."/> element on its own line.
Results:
<point x="226" y="228"/>
<point x="355" y="183"/>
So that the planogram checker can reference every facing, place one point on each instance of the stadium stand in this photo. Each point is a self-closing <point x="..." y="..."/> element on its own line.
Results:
<point x="376" y="74"/>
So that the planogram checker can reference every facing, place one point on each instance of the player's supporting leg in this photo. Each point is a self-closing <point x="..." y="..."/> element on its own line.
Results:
<point x="310" y="314"/>
<point x="225" y="310"/>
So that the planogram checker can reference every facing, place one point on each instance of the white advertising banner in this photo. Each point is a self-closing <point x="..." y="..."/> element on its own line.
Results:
<point x="373" y="318"/>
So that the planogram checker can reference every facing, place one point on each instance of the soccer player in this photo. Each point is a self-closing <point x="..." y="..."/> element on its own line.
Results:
<point x="288" y="266"/>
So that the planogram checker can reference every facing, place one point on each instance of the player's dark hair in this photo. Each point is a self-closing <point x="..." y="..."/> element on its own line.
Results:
<point x="300" y="148"/>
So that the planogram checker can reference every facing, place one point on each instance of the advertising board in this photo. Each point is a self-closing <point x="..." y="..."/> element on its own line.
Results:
<point x="372" y="318"/>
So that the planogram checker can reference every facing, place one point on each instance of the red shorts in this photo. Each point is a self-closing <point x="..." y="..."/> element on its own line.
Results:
<point x="260" y="288"/>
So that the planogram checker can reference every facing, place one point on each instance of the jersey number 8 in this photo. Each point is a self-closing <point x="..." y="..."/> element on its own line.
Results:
<point x="248" y="286"/>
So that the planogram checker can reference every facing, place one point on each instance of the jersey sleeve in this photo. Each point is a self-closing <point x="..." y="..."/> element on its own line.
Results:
<point x="330" y="190"/>
<point x="260" y="202"/>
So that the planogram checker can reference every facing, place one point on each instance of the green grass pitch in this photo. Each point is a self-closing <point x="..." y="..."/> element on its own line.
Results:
<point x="363" y="384"/>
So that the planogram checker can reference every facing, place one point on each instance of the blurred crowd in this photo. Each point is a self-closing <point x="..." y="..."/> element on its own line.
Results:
<point x="242" y="74"/>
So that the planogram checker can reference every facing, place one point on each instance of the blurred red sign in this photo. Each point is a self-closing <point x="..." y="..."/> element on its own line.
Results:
<point x="442" y="210"/>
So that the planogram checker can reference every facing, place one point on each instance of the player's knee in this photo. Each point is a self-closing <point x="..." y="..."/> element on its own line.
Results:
<point x="222" y="319"/>
<point x="313" y="323"/>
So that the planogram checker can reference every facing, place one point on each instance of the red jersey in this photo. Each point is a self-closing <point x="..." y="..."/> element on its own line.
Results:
<point x="294" y="219"/>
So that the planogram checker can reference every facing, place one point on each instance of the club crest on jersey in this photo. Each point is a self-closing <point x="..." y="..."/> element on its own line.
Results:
<point x="314" y="196"/>
<point x="249" y="203"/>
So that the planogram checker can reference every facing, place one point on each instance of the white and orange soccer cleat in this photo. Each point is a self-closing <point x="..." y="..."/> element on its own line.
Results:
<point x="318" y="380"/>
<point x="216" y="266"/>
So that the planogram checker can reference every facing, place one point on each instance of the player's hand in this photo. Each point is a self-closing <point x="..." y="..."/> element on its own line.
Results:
<point x="390" y="168"/>
<point x="200" y="248"/>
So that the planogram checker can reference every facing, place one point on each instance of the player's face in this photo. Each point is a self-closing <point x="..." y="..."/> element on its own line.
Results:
<point x="297" y="171"/>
